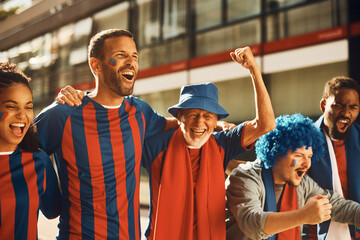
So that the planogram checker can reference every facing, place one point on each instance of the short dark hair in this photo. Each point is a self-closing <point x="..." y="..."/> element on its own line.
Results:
<point x="338" y="83"/>
<point x="96" y="45"/>
<point x="10" y="75"/>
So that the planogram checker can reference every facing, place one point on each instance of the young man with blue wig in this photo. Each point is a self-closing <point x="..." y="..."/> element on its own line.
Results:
<point x="186" y="166"/>
<point x="272" y="197"/>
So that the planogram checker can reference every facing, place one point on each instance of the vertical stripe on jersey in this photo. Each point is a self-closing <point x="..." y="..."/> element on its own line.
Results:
<point x="133" y="150"/>
<point x="96" y="169"/>
<point x="7" y="194"/>
<point x="119" y="167"/>
<point x="31" y="182"/>
<point x="86" y="186"/>
<point x="70" y="182"/>
<point x="20" y="187"/>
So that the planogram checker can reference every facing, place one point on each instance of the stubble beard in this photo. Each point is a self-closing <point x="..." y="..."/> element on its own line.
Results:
<point x="114" y="81"/>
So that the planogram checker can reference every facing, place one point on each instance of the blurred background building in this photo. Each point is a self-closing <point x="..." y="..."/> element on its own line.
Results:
<point x="299" y="44"/>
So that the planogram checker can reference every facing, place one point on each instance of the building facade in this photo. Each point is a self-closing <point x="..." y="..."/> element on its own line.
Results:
<point x="299" y="44"/>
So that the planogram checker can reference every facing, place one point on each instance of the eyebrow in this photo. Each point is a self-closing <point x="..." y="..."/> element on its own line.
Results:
<point x="123" y="51"/>
<point x="12" y="101"/>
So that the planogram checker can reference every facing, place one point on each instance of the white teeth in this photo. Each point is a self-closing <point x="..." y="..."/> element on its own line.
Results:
<point x="128" y="73"/>
<point x="17" y="124"/>
<point x="343" y="121"/>
<point x="197" y="132"/>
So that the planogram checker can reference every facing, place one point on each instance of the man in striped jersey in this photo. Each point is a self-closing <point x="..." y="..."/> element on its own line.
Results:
<point x="98" y="144"/>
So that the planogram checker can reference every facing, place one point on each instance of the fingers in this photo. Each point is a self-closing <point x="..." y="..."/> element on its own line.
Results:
<point x="244" y="57"/>
<point x="70" y="96"/>
<point x="319" y="209"/>
<point x="224" y="126"/>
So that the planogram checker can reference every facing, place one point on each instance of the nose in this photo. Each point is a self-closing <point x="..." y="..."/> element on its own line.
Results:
<point x="307" y="162"/>
<point x="20" y="114"/>
<point x="200" y="119"/>
<point x="131" y="61"/>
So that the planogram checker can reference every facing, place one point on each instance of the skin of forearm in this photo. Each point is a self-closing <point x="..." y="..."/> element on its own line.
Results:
<point x="280" y="221"/>
<point x="264" y="121"/>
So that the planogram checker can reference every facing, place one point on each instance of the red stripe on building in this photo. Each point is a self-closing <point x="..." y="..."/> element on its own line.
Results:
<point x="73" y="180"/>
<point x="7" y="200"/>
<point x="219" y="57"/>
<point x="166" y="68"/>
<point x="120" y="171"/>
<point x="96" y="171"/>
<point x="138" y="152"/>
<point x="30" y="177"/>
<point x="306" y="39"/>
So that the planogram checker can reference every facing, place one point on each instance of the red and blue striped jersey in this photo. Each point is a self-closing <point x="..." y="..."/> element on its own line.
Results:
<point x="27" y="182"/>
<point x="154" y="152"/>
<point x="98" y="151"/>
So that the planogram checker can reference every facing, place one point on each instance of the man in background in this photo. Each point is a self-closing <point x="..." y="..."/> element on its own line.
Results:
<point x="339" y="169"/>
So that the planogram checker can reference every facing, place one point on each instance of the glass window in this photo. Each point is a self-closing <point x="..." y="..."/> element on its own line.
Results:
<point x="208" y="13"/>
<point x="64" y="39"/>
<point x="310" y="18"/>
<point x="242" y="34"/>
<point x="174" y="18"/>
<point x="276" y="4"/>
<point x="82" y="30"/>
<point x="4" y="57"/>
<point x="241" y="9"/>
<point x="148" y="22"/>
<point x="114" y="17"/>
<point x="167" y="52"/>
<point x="301" y="20"/>
<point x="275" y="26"/>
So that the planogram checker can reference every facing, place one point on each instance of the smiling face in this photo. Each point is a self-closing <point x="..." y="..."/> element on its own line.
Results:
<point x="340" y="110"/>
<point x="119" y="76"/>
<point x="197" y="125"/>
<point x="16" y="102"/>
<point x="292" y="168"/>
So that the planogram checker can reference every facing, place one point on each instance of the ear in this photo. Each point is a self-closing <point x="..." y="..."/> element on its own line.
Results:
<point x="95" y="65"/>
<point x="322" y="104"/>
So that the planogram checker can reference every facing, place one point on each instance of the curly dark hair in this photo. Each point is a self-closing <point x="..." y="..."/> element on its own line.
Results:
<point x="10" y="75"/>
<point x="291" y="132"/>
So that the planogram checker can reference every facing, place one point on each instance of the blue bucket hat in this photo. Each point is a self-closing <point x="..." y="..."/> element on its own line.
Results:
<point x="203" y="96"/>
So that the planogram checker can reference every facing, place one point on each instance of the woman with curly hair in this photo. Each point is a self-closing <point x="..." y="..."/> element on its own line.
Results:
<point x="27" y="178"/>
<point x="272" y="197"/>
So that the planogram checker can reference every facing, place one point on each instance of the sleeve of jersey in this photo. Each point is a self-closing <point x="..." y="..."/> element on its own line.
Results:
<point x="50" y="203"/>
<point x="230" y="141"/>
<point x="153" y="146"/>
<point x="50" y="126"/>
<point x="155" y="123"/>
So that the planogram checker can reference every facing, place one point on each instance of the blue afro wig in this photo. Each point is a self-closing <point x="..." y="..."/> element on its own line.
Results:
<point x="291" y="132"/>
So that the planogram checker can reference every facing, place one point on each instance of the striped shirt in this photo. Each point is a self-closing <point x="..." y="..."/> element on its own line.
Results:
<point x="24" y="176"/>
<point x="98" y="151"/>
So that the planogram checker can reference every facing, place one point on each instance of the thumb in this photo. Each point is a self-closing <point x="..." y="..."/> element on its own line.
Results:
<point x="320" y="197"/>
<point x="232" y="55"/>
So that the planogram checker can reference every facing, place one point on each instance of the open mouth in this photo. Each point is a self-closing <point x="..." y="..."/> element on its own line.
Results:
<point x="198" y="132"/>
<point x="300" y="172"/>
<point x="342" y="124"/>
<point x="17" y="128"/>
<point x="128" y="75"/>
